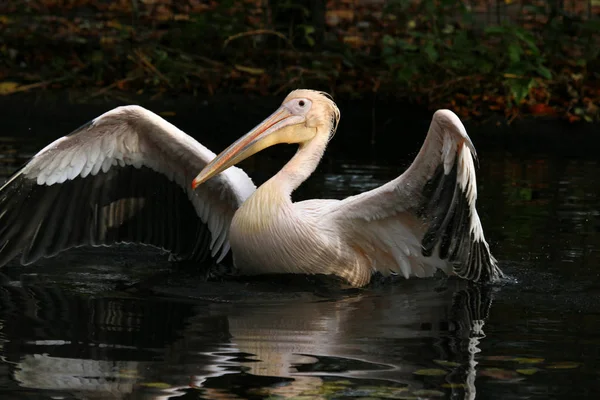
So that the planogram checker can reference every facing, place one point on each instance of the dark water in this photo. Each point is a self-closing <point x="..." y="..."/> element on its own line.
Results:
<point x="124" y="324"/>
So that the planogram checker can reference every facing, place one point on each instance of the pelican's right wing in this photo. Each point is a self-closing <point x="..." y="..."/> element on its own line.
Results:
<point x="124" y="177"/>
<point x="426" y="218"/>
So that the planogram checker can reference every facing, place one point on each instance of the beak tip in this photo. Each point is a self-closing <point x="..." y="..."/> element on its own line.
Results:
<point x="201" y="178"/>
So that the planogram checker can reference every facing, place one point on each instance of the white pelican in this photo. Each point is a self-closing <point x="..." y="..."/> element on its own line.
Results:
<point x="127" y="177"/>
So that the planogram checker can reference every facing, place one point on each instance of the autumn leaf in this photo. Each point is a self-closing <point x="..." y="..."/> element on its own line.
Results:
<point x="8" y="87"/>
<point x="542" y="109"/>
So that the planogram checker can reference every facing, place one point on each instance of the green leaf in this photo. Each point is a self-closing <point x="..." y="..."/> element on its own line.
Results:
<point x="485" y="66"/>
<point x="525" y="193"/>
<point x="461" y="40"/>
<point x="519" y="88"/>
<point x="393" y="60"/>
<point x="405" y="74"/>
<point x="308" y="29"/>
<point x="448" y="29"/>
<point x="431" y="52"/>
<point x="544" y="72"/>
<point x="407" y="46"/>
<point x="388" y="41"/>
<point x="495" y="30"/>
<point x="467" y="16"/>
<point x="527" y="38"/>
<point x="514" y="53"/>
<point x="519" y="68"/>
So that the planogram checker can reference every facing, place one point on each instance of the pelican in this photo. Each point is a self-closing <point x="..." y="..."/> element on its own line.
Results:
<point x="129" y="176"/>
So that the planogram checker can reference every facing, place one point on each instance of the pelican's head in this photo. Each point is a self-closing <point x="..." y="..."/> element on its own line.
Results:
<point x="303" y="116"/>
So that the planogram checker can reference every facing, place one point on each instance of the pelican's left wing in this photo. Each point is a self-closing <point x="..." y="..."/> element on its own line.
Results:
<point x="426" y="218"/>
<point x="125" y="177"/>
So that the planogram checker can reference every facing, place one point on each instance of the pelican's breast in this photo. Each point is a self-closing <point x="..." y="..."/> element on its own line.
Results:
<point x="272" y="235"/>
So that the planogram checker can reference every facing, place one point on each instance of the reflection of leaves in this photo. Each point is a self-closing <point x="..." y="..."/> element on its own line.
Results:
<point x="347" y="388"/>
<point x="518" y="194"/>
<point x="454" y="385"/>
<point x="520" y="360"/>
<point x="156" y="385"/>
<point x="499" y="373"/>
<point x="525" y="360"/>
<point x="429" y="393"/>
<point x="563" y="365"/>
<point x="525" y="367"/>
<point x="430" y="372"/>
<point x="445" y="363"/>
<point x="527" y="371"/>
<point x="499" y="358"/>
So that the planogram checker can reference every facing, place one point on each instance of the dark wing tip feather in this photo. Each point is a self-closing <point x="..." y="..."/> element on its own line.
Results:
<point x="123" y="205"/>
<point x="449" y="215"/>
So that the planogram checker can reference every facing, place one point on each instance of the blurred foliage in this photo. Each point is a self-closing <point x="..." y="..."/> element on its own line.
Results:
<point x="517" y="58"/>
<point x="477" y="57"/>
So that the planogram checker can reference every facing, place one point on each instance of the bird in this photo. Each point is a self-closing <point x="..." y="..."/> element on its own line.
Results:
<point x="129" y="176"/>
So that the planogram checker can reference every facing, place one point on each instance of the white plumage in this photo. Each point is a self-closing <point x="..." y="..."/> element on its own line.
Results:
<point x="128" y="176"/>
<point x="129" y="136"/>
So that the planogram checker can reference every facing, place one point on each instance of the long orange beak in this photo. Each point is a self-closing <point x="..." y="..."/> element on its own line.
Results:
<point x="268" y="133"/>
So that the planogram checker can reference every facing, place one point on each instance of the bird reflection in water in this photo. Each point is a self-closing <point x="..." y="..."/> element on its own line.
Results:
<point x="124" y="347"/>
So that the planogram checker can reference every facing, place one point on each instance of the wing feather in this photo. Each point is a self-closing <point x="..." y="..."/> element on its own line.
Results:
<point x="125" y="177"/>
<point x="426" y="218"/>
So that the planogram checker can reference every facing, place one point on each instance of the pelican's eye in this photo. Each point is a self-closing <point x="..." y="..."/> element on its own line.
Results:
<point x="299" y="106"/>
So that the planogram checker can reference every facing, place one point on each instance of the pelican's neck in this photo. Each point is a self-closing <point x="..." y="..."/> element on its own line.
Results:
<point x="275" y="195"/>
<point x="300" y="167"/>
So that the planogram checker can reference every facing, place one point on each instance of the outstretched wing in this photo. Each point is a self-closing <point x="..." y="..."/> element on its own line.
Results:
<point x="426" y="218"/>
<point x="124" y="177"/>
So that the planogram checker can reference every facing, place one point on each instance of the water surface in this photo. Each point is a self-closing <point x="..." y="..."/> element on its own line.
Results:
<point x="125" y="324"/>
